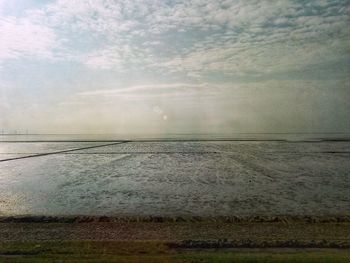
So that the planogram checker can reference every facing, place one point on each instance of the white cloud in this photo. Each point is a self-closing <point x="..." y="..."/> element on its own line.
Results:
<point x="104" y="59"/>
<point x="240" y="59"/>
<point x="118" y="57"/>
<point x="233" y="36"/>
<point x="21" y="38"/>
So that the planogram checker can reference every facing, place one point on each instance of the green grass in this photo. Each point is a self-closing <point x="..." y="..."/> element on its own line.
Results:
<point x="152" y="252"/>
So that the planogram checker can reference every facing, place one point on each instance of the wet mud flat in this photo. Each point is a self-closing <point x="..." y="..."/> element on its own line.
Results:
<point x="175" y="178"/>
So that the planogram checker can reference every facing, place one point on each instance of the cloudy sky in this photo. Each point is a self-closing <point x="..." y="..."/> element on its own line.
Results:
<point x="174" y="66"/>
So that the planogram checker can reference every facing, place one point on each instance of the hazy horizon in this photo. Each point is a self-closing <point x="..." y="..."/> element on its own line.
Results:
<point x="174" y="67"/>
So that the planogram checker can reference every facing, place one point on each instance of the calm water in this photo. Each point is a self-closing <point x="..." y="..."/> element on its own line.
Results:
<point x="203" y="178"/>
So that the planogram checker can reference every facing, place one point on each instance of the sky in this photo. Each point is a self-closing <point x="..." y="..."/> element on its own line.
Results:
<point x="174" y="66"/>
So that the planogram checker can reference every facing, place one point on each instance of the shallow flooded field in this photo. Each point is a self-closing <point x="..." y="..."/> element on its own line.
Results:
<point x="175" y="178"/>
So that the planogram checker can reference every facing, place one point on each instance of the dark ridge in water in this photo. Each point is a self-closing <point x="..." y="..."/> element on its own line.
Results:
<point x="59" y="152"/>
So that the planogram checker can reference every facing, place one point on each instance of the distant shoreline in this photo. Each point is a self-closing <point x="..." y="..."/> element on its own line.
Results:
<point x="314" y="140"/>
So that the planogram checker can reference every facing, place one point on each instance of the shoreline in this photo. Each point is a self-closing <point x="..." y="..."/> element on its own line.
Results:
<point x="193" y="233"/>
<point x="174" y="241"/>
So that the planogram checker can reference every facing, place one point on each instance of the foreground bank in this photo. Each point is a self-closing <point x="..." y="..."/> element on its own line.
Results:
<point x="156" y="239"/>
